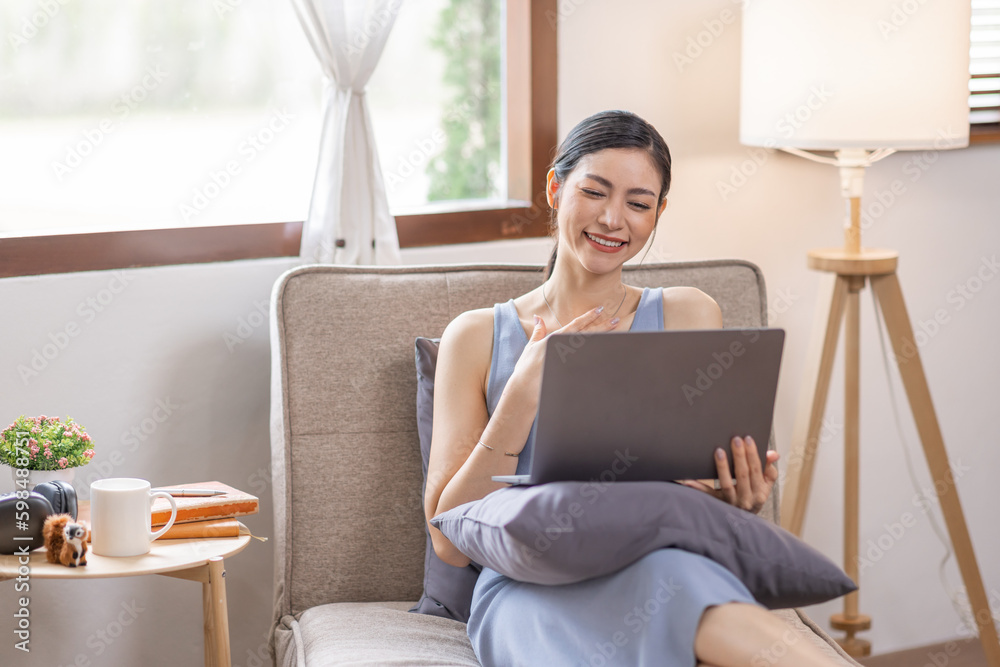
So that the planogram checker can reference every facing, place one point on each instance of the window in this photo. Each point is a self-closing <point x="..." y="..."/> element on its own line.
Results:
<point x="436" y="103"/>
<point x="530" y="138"/>
<point x="984" y="85"/>
<point x="252" y="105"/>
<point x="144" y="114"/>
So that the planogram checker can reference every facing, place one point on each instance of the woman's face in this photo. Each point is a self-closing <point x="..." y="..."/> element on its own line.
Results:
<point x="607" y="208"/>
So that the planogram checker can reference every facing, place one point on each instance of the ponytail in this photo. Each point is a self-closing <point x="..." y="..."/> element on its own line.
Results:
<point x="552" y="261"/>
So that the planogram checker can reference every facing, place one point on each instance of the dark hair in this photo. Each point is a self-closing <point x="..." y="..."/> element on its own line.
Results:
<point x="608" y="129"/>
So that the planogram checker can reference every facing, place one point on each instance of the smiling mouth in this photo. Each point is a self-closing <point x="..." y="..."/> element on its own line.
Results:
<point x="604" y="242"/>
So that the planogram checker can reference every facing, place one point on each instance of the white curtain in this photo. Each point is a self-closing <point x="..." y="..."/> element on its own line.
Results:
<point x="349" y="220"/>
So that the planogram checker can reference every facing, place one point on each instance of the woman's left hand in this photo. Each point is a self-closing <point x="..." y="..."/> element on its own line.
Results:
<point x="752" y="486"/>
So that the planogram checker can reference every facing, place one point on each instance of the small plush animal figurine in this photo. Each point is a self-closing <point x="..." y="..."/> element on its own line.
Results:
<point x="65" y="541"/>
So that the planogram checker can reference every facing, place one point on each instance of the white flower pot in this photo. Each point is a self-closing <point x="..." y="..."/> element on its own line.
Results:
<point x="39" y="476"/>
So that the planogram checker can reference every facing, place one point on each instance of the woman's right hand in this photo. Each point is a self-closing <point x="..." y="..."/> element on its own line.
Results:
<point x="527" y="374"/>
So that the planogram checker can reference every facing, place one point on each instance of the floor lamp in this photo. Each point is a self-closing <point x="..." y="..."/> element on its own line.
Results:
<point x="862" y="79"/>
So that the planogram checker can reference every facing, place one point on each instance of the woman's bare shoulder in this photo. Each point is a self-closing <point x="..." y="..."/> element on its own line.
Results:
<point x="690" y="308"/>
<point x="471" y="324"/>
<point x="467" y="348"/>
<point x="469" y="337"/>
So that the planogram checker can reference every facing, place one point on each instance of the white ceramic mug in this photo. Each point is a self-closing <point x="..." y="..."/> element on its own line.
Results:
<point x="120" y="514"/>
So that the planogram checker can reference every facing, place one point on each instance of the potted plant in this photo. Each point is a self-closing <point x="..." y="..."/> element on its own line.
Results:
<point x="40" y="449"/>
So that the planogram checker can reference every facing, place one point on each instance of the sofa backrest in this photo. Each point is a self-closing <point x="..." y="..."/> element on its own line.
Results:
<point x="345" y="456"/>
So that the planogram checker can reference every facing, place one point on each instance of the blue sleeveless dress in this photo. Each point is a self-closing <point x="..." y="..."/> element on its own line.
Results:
<point x="645" y="614"/>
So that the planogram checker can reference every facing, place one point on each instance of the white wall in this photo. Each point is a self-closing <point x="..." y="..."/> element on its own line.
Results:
<point x="163" y="336"/>
<point x="179" y="354"/>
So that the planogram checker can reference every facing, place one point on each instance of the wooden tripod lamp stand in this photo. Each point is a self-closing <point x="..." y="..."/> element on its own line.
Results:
<point x="847" y="77"/>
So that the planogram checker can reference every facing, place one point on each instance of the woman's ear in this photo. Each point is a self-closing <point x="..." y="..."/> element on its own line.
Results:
<point x="551" y="188"/>
<point x="663" y="205"/>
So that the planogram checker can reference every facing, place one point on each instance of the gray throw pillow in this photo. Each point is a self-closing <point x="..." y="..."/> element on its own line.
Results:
<point x="447" y="589"/>
<point x="565" y="532"/>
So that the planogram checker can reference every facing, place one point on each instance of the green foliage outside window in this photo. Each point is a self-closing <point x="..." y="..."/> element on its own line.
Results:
<point x="468" y="35"/>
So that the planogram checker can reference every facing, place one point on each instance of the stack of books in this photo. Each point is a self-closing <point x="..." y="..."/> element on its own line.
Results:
<point x="204" y="516"/>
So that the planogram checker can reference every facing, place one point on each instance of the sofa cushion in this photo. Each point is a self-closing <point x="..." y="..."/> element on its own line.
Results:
<point x="565" y="532"/>
<point x="382" y="633"/>
<point x="373" y="633"/>
<point x="447" y="589"/>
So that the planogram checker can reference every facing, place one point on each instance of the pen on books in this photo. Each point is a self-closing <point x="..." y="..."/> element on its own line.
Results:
<point x="192" y="493"/>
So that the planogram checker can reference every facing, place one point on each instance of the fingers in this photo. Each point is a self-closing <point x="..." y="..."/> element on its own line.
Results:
<point x="727" y="488"/>
<point x="538" y="332"/>
<point x="760" y="487"/>
<point x="591" y="321"/>
<point x="752" y="485"/>
<point x="752" y="457"/>
<point x="771" y="471"/>
<point x="744" y="486"/>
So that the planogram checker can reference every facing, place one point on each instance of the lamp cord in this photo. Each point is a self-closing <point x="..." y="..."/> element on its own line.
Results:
<point x="963" y="611"/>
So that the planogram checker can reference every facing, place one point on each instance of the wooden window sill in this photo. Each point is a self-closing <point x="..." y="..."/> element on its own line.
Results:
<point x="101" y="251"/>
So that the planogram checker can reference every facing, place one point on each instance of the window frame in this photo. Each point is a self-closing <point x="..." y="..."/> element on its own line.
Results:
<point x="532" y="136"/>
<point x="984" y="133"/>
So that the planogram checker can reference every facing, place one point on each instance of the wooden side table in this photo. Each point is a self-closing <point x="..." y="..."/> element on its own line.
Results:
<point x="195" y="559"/>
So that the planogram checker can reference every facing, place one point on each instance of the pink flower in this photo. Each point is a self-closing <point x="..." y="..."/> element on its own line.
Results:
<point x="32" y="441"/>
<point x="85" y="437"/>
<point x="63" y="461"/>
<point x="48" y="453"/>
<point x="89" y="454"/>
<point x="34" y="448"/>
<point x="36" y="430"/>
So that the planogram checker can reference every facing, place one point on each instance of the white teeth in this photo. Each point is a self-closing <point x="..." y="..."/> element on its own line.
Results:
<point x="610" y="244"/>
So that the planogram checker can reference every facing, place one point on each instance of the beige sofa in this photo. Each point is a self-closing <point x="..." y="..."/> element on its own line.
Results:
<point x="349" y="526"/>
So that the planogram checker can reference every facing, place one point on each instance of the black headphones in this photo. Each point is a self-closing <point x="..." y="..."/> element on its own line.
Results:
<point x="21" y="519"/>
<point x="61" y="495"/>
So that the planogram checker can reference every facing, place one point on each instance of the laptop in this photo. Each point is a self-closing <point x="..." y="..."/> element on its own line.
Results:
<point x="651" y="405"/>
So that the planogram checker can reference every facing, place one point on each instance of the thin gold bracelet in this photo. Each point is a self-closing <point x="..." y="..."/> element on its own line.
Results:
<point x="491" y="449"/>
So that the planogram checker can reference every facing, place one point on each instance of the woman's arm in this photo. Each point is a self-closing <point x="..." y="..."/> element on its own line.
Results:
<point x="458" y="470"/>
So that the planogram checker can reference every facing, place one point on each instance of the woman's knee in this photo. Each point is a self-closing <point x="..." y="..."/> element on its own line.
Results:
<point x="690" y="578"/>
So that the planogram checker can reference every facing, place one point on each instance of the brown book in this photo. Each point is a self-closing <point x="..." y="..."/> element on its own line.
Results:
<point x="231" y="504"/>
<point x="209" y="528"/>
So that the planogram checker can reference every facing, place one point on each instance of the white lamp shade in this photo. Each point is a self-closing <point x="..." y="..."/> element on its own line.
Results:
<point x="832" y="74"/>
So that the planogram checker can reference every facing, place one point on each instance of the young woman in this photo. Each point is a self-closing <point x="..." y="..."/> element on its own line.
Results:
<point x="607" y="188"/>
